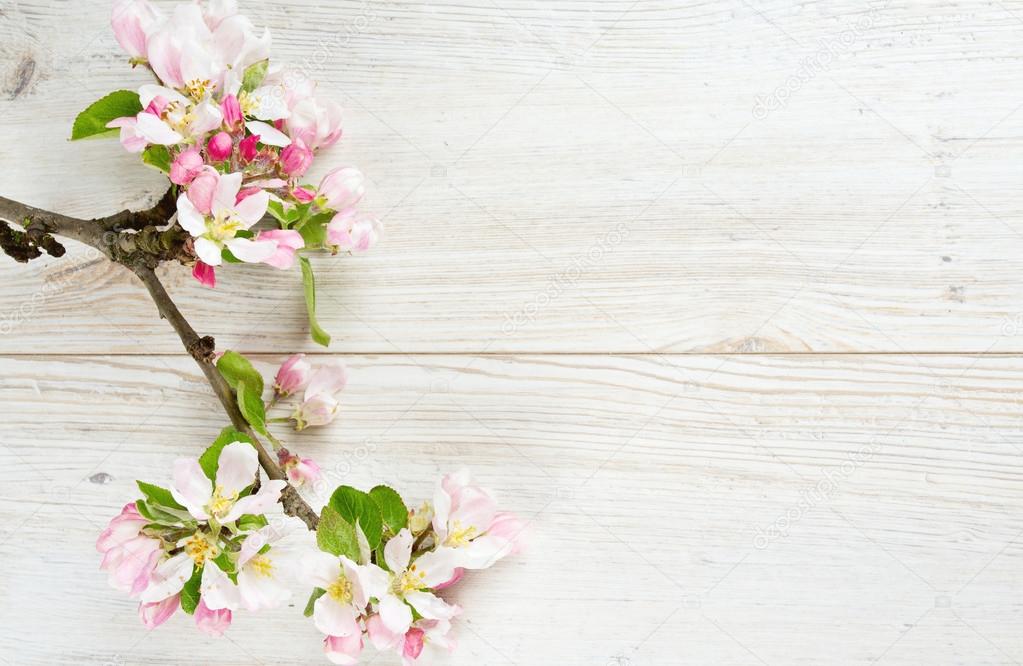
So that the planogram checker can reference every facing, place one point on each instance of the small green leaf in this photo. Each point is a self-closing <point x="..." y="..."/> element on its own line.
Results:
<point x="93" y="121"/>
<point x="159" y="496"/>
<point x="254" y="75"/>
<point x="236" y="368"/>
<point x="310" y="606"/>
<point x="314" y="230"/>
<point x="336" y="536"/>
<point x="392" y="508"/>
<point x="210" y="459"/>
<point x="190" y="592"/>
<point x="251" y="523"/>
<point x="309" y="284"/>
<point x="157" y="157"/>
<point x="161" y="515"/>
<point x="358" y="508"/>
<point x="252" y="407"/>
<point x="276" y="208"/>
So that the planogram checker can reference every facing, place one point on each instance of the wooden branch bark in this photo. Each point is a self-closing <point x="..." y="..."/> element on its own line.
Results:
<point x="133" y="251"/>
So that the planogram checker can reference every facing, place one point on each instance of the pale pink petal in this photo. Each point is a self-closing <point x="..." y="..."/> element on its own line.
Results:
<point x="156" y="131"/>
<point x="261" y="591"/>
<point x="154" y="614"/>
<point x="438" y="565"/>
<point x="431" y="607"/>
<point x="203" y="189"/>
<point x="168" y="578"/>
<point x="268" y="135"/>
<point x="344" y="650"/>
<point x="398" y="551"/>
<point x="227" y="192"/>
<point x="261" y="502"/>
<point x="250" y="251"/>
<point x="237" y="467"/>
<point x="252" y="208"/>
<point x="191" y="487"/>
<point x="218" y="592"/>
<point x="209" y="252"/>
<point x="189" y="217"/>
<point x="213" y="623"/>
<point x="381" y="637"/>
<point x="327" y="379"/>
<point x="334" y="618"/>
<point x="319" y="569"/>
<point x="395" y="613"/>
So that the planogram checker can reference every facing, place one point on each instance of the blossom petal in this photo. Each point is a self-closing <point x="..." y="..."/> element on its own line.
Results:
<point x="395" y="613"/>
<point x="156" y="130"/>
<point x="227" y="192"/>
<point x="189" y="217"/>
<point x="334" y="618"/>
<point x="398" y="551"/>
<point x="168" y="578"/>
<point x="237" y="468"/>
<point x="327" y="380"/>
<point x="218" y="592"/>
<point x="252" y="208"/>
<point x="209" y="252"/>
<point x="260" y="590"/>
<point x="319" y="569"/>
<point x="261" y="502"/>
<point x="438" y="566"/>
<point x="191" y="487"/>
<point x="250" y="251"/>
<point x="432" y="607"/>
<point x="268" y="135"/>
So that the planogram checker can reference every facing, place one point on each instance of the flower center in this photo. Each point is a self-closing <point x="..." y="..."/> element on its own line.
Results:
<point x="198" y="89"/>
<point x="222" y="227"/>
<point x="248" y="103"/>
<point x="410" y="581"/>
<point x="199" y="548"/>
<point x="221" y="503"/>
<point x="459" y="537"/>
<point x="340" y="590"/>
<point x="262" y="566"/>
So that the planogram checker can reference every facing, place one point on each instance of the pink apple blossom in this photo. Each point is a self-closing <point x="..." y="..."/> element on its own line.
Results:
<point x="293" y="375"/>
<point x="343" y="650"/>
<point x="186" y="166"/>
<point x="351" y="231"/>
<point x="409" y="585"/>
<point x="220" y="147"/>
<point x="128" y="556"/>
<point x="288" y="244"/>
<point x="300" y="471"/>
<point x="249" y="148"/>
<point x="213" y="623"/>
<point x="342" y="188"/>
<point x="221" y="500"/>
<point x="349" y="588"/>
<point x="425" y="641"/>
<point x="320" y="404"/>
<point x="296" y="160"/>
<point x="156" y="613"/>
<point x="464" y="515"/>
<point x="213" y="218"/>
<point x="316" y="124"/>
<point x="132" y="20"/>
<point x="232" y="111"/>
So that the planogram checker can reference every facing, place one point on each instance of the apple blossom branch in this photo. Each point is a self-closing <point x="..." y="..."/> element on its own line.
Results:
<point x="140" y="252"/>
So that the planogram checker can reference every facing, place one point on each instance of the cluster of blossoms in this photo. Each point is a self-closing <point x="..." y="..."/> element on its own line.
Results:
<point x="204" y="546"/>
<point x="207" y="548"/>
<point x="236" y="134"/>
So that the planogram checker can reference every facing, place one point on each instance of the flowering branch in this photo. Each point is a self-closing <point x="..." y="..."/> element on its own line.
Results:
<point x="235" y="136"/>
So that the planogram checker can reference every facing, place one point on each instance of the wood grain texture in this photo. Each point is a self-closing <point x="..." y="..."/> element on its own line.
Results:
<point x="772" y="509"/>
<point x="587" y="176"/>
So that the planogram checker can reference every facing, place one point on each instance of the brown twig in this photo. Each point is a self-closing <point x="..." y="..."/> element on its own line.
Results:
<point x="107" y="235"/>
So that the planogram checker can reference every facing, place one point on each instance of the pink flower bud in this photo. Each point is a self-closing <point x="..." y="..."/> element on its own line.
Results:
<point x="220" y="147"/>
<point x="351" y="231"/>
<point x="509" y="527"/>
<point x="249" y="147"/>
<point x="303" y="194"/>
<point x="232" y="111"/>
<point x="186" y="166"/>
<point x="202" y="189"/>
<point x="128" y="556"/>
<point x="342" y="188"/>
<point x="320" y="405"/>
<point x="156" y="613"/>
<point x="288" y="244"/>
<point x="205" y="274"/>
<point x="212" y="622"/>
<point x="296" y="160"/>
<point x="343" y="650"/>
<point x="293" y="375"/>
<point x="300" y="470"/>
<point x="413" y="643"/>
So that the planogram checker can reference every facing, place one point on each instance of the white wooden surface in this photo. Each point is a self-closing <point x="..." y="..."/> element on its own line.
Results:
<point x="660" y="324"/>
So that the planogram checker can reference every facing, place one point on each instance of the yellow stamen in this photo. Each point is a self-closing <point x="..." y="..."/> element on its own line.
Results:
<point x="340" y="590"/>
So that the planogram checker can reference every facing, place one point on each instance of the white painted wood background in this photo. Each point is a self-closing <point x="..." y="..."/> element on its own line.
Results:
<point x="755" y="378"/>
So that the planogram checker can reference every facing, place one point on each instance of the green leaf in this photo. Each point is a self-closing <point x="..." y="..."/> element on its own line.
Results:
<point x="309" y="284"/>
<point x="190" y="592"/>
<point x="276" y="208"/>
<point x="254" y="75"/>
<point x="210" y="459"/>
<point x="314" y="230"/>
<point x="93" y="121"/>
<point x="157" y="157"/>
<point x="159" y="496"/>
<point x="250" y="522"/>
<point x="252" y="407"/>
<point x="161" y="515"/>
<point x="358" y="508"/>
<point x="317" y="593"/>
<point x="236" y="368"/>
<point x="336" y="536"/>
<point x="392" y="508"/>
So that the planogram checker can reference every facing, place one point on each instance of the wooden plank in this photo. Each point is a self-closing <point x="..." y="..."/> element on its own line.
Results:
<point x="586" y="176"/>
<point x="733" y="510"/>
